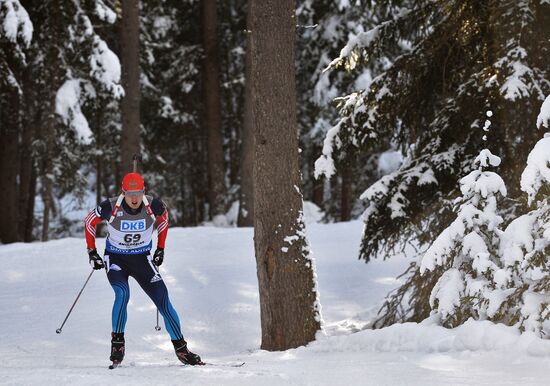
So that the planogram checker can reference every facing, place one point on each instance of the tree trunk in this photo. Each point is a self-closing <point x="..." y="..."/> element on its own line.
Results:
<point x="29" y="215"/>
<point x="212" y="107"/>
<point x="9" y="132"/>
<point x="346" y="195"/>
<point x="47" y="168"/>
<point x="47" y="136"/>
<point x="289" y="301"/>
<point x="246" y="195"/>
<point x="27" y="172"/>
<point x="130" y="137"/>
<point x="99" y="158"/>
<point x="318" y="192"/>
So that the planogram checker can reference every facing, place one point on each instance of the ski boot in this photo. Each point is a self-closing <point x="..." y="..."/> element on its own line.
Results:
<point x="117" y="348"/>
<point x="184" y="355"/>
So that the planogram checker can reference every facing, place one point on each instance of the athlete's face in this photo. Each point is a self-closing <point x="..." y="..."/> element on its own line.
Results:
<point x="133" y="199"/>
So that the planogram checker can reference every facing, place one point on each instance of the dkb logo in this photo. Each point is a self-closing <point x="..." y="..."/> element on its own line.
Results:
<point x="132" y="226"/>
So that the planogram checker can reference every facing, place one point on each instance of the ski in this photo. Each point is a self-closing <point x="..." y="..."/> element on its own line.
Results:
<point x="114" y="365"/>
<point x="240" y="364"/>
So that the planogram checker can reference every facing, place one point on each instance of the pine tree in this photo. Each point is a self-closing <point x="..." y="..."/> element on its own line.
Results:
<point x="324" y="27"/>
<point x="174" y="140"/>
<point x="525" y="245"/>
<point x="456" y="276"/>
<point x="467" y="251"/>
<point x="71" y="68"/>
<point x="445" y="59"/>
<point x="15" y="37"/>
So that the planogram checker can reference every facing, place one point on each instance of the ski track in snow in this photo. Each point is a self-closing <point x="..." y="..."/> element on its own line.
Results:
<point x="211" y="276"/>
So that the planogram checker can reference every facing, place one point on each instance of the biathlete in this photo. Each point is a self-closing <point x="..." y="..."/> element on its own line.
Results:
<point x="130" y="221"/>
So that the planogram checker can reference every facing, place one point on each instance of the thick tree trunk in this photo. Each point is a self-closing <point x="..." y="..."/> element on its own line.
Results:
<point x="289" y="301"/>
<point x="9" y="134"/>
<point x="130" y="138"/>
<point x="212" y="107"/>
<point x="246" y="196"/>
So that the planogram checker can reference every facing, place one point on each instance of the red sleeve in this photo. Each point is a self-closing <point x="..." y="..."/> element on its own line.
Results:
<point x="89" y="228"/>
<point x="162" y="228"/>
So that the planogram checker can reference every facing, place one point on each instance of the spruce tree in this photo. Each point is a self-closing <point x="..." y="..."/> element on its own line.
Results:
<point x="525" y="245"/>
<point x="465" y="255"/>
<point x="72" y="68"/>
<point x="15" y="37"/>
<point x="445" y="60"/>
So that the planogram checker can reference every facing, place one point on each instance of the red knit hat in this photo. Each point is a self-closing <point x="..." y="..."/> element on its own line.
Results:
<point x="131" y="182"/>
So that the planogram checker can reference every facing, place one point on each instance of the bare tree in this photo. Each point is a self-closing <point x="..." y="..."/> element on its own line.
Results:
<point x="289" y="301"/>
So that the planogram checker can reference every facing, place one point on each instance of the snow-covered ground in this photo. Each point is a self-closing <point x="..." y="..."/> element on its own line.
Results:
<point x="211" y="276"/>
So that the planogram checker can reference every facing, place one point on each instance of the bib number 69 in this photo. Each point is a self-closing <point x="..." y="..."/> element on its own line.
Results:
<point x="132" y="237"/>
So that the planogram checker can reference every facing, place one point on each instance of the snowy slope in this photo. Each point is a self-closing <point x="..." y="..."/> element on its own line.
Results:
<point x="211" y="276"/>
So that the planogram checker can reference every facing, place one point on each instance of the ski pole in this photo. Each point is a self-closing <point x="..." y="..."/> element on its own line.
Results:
<point x="67" y="317"/>
<point x="157" y="327"/>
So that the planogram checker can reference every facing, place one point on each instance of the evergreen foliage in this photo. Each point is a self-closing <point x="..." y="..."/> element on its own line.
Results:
<point x="446" y="61"/>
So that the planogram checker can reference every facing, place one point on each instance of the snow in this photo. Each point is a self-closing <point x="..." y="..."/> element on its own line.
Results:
<point x="516" y="85"/>
<point x="325" y="163"/>
<point x="485" y="183"/>
<point x="312" y="213"/>
<point x="543" y="118"/>
<point x="211" y="276"/>
<point x="104" y="12"/>
<point x="363" y="81"/>
<point x="362" y="40"/>
<point x="220" y="220"/>
<point x="486" y="158"/>
<point x="105" y="67"/>
<point x="448" y="291"/>
<point x="67" y="105"/>
<point x="16" y="22"/>
<point x="442" y="246"/>
<point x="389" y="162"/>
<point x="537" y="171"/>
<point x="516" y="238"/>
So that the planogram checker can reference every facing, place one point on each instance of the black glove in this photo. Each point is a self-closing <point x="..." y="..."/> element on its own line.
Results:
<point x="158" y="257"/>
<point x="95" y="260"/>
